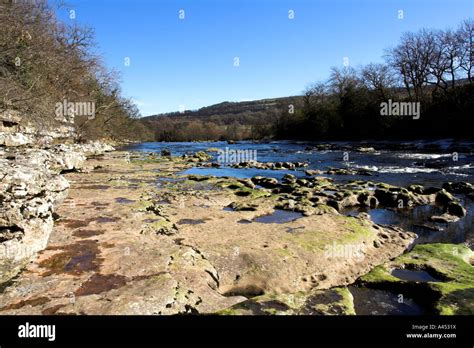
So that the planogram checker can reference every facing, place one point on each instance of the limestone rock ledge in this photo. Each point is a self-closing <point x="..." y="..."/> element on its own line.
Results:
<point x="31" y="186"/>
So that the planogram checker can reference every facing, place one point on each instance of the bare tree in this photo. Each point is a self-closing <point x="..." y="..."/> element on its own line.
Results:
<point x="465" y="35"/>
<point x="412" y="59"/>
<point x="314" y="94"/>
<point x="379" y="78"/>
<point x="342" y="79"/>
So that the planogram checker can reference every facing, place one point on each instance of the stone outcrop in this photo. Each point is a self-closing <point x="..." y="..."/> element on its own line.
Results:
<point x="17" y="132"/>
<point x="30" y="188"/>
<point x="199" y="156"/>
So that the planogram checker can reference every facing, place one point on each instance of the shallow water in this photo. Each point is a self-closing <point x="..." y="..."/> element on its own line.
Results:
<point x="427" y="163"/>
<point x="278" y="217"/>
<point x="124" y="200"/>
<point x="379" y="302"/>
<point x="413" y="275"/>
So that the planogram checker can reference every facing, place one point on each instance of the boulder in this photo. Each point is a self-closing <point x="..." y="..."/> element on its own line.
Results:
<point x="444" y="197"/>
<point x="404" y="199"/>
<point x="455" y="208"/>
<point x="165" y="153"/>
<point x="265" y="182"/>
<point x="240" y="206"/>
<point x="202" y="156"/>
<point x="418" y="189"/>
<point x="289" y="178"/>
<point x="431" y="190"/>
<point x="367" y="200"/>
<point x="312" y="172"/>
<point x="386" y="197"/>
<point x="247" y="183"/>
<point x="444" y="218"/>
<point x="458" y="187"/>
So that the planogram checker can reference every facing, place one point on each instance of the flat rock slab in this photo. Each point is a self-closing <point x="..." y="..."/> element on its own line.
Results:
<point x="107" y="255"/>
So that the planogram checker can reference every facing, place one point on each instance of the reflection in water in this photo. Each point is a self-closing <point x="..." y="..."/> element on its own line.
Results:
<point x="413" y="275"/>
<point x="278" y="217"/>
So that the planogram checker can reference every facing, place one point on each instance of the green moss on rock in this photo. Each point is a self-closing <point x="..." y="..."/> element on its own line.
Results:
<point x="335" y="301"/>
<point x="450" y="262"/>
<point x="243" y="191"/>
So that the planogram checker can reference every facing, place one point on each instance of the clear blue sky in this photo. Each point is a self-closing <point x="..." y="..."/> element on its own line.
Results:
<point x="190" y="62"/>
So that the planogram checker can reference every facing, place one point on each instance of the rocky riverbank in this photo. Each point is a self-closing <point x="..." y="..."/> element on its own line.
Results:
<point x="136" y="236"/>
<point x="32" y="187"/>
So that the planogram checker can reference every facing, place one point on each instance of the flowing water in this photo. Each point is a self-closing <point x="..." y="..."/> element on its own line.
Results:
<point x="429" y="163"/>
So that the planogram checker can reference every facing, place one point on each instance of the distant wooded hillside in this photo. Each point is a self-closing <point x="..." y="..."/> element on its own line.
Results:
<point x="227" y="120"/>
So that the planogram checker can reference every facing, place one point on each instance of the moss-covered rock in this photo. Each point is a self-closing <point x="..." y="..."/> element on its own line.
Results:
<point x="444" y="197"/>
<point x="265" y="182"/>
<point x="455" y="208"/>
<point x="451" y="263"/>
<point x="458" y="187"/>
<point x="335" y="301"/>
<point x="151" y="159"/>
<point x="241" y="206"/>
<point x="194" y="177"/>
<point x="418" y="189"/>
<point x="242" y="190"/>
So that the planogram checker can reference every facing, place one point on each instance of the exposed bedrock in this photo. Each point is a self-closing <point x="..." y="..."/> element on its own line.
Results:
<point x="30" y="188"/>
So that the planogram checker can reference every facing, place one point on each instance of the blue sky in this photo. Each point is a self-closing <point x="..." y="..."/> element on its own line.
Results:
<point x="189" y="62"/>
